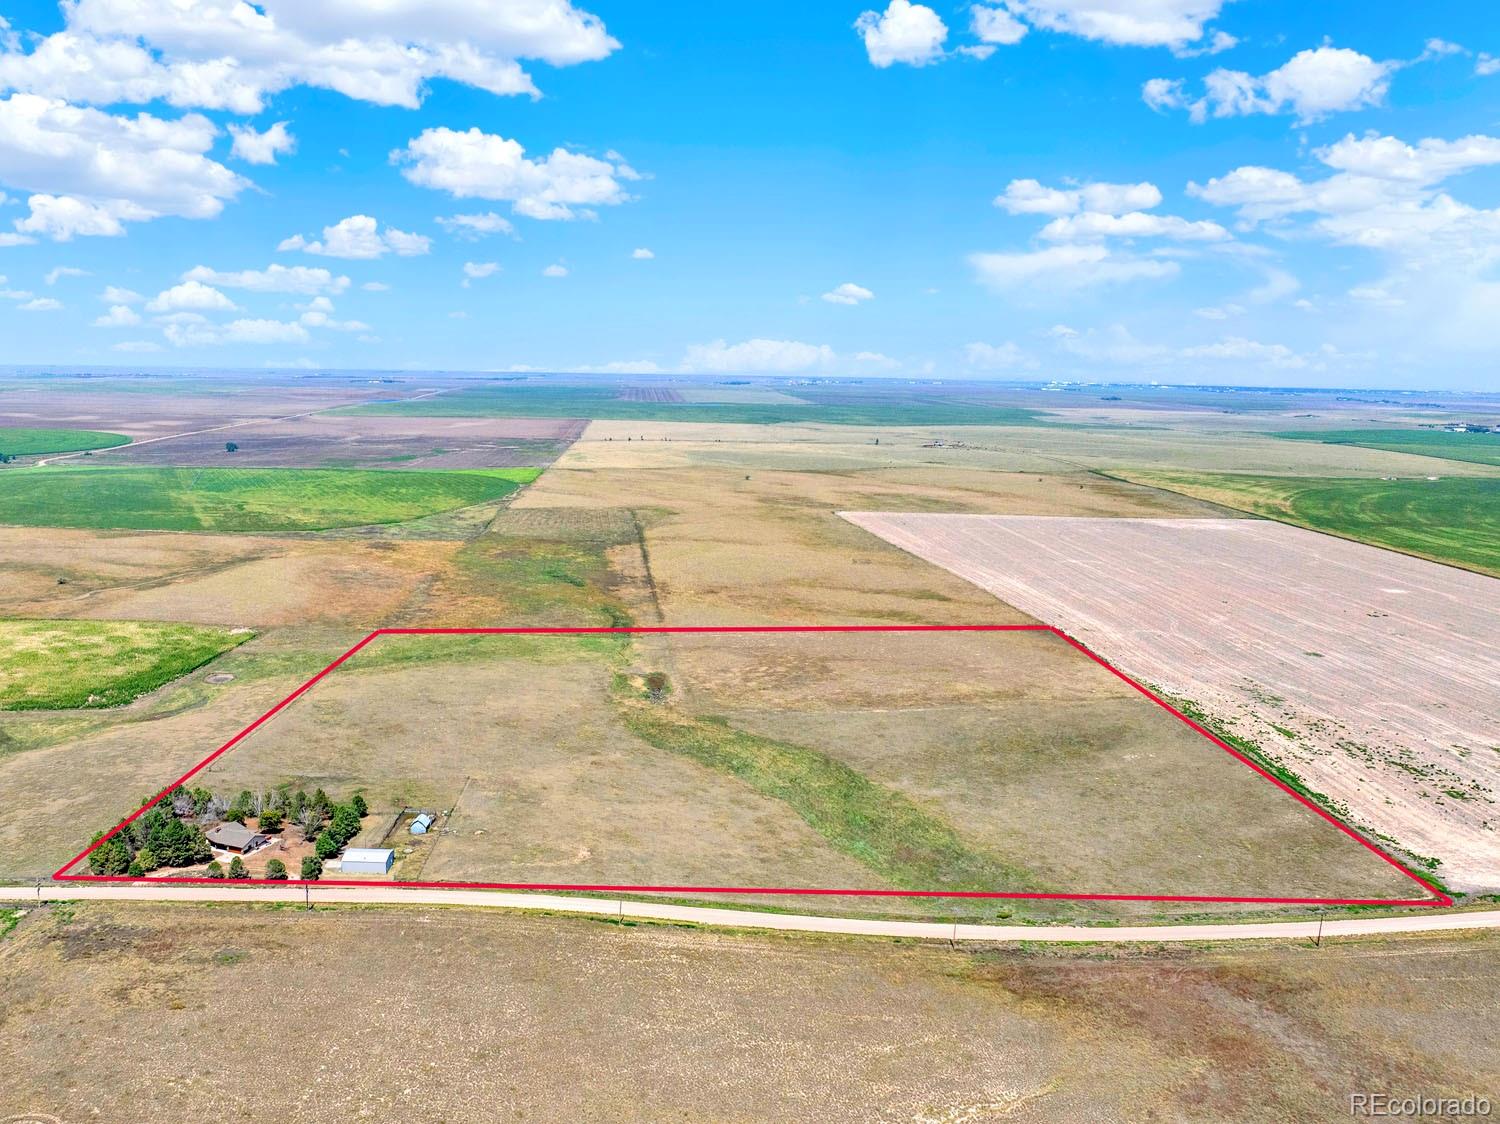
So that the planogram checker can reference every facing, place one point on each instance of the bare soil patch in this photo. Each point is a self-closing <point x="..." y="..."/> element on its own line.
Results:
<point x="650" y="394"/>
<point x="147" y="413"/>
<point x="1373" y="675"/>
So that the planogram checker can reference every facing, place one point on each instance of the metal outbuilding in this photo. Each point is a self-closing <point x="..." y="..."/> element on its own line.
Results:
<point x="421" y="823"/>
<point x="367" y="860"/>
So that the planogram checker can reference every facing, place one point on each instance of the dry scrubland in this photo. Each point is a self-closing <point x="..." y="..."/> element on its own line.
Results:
<point x="1373" y="675"/>
<point x="450" y="1015"/>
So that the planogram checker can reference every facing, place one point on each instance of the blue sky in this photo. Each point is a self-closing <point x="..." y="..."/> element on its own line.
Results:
<point x="1185" y="190"/>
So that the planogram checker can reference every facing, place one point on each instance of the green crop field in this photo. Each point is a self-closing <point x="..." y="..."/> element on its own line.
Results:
<point x="1477" y="448"/>
<point x="604" y="403"/>
<point x="62" y="665"/>
<point x="21" y="442"/>
<point x="241" y="499"/>
<point x="1455" y="519"/>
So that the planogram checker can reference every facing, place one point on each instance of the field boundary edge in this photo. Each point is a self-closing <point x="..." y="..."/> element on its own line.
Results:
<point x="1438" y="899"/>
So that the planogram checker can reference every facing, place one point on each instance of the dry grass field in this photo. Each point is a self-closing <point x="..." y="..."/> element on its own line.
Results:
<point x="438" y="1012"/>
<point x="957" y="761"/>
<point x="233" y="580"/>
<point x="74" y="777"/>
<point x="1372" y="675"/>
<point x="747" y="544"/>
<point x="1197" y="443"/>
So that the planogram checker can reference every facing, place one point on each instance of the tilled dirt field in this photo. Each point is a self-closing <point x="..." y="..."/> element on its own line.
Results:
<point x="149" y="413"/>
<point x="455" y="1015"/>
<point x="1373" y="675"/>
<point x="366" y="442"/>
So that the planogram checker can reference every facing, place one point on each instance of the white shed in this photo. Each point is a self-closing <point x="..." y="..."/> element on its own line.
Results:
<point x="367" y="860"/>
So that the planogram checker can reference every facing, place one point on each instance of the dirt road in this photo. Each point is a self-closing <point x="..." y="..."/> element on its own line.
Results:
<point x="1418" y="921"/>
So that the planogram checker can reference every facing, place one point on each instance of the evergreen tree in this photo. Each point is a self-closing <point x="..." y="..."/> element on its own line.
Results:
<point x="276" y="871"/>
<point x="237" y="867"/>
<point x="312" y="868"/>
<point x="345" y="824"/>
<point x="327" y="846"/>
<point x="215" y="870"/>
<point x="111" y="857"/>
<point x="361" y="809"/>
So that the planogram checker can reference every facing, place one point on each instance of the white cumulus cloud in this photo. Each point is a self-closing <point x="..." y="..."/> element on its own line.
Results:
<point x="359" y="237"/>
<point x="119" y="316"/>
<point x="905" y="32"/>
<point x="190" y="296"/>
<point x="1030" y="197"/>
<point x="91" y="172"/>
<point x="848" y="293"/>
<point x="1311" y="85"/>
<point x="480" y="165"/>
<point x="300" y="279"/>
<point x="261" y="148"/>
<point x="230" y="54"/>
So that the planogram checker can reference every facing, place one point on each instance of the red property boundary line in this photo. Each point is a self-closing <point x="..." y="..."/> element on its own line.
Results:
<point x="1438" y="898"/>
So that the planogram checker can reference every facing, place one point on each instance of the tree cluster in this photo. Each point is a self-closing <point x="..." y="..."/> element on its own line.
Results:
<point x="165" y="835"/>
<point x="154" y="840"/>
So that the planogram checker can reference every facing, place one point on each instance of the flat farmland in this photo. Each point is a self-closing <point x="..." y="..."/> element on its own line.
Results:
<point x="233" y="580"/>
<point x="991" y="762"/>
<point x="744" y="535"/>
<point x="148" y="411"/>
<point x="322" y="441"/>
<point x="29" y="442"/>
<point x="126" y="497"/>
<point x="1373" y="676"/>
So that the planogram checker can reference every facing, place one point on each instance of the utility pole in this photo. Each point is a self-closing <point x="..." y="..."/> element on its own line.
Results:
<point x="1318" y="940"/>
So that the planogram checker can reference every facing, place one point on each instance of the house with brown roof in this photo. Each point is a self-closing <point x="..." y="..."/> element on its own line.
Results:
<point x="236" y="838"/>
